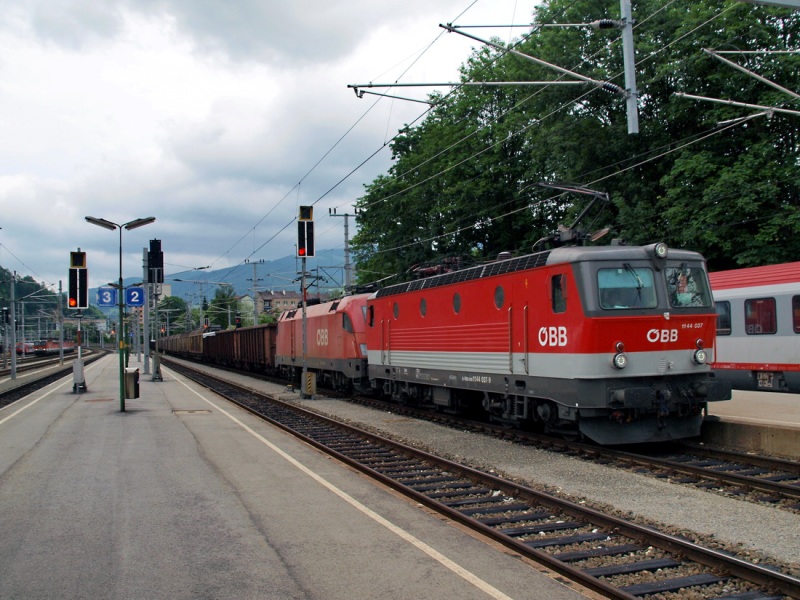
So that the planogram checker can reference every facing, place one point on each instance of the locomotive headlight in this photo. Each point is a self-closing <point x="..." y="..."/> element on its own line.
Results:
<point x="620" y="360"/>
<point x="700" y="356"/>
<point x="660" y="250"/>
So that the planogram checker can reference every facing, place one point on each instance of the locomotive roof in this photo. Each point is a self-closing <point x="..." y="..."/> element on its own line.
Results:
<point x="755" y="276"/>
<point x="531" y="261"/>
<point x="618" y="253"/>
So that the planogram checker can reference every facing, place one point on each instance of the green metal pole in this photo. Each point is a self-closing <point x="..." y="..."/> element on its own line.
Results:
<point x="121" y="330"/>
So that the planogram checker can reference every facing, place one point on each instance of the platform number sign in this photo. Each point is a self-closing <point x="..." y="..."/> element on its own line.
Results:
<point x="134" y="296"/>
<point x="106" y="296"/>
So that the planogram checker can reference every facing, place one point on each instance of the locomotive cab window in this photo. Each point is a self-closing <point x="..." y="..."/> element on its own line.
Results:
<point x="558" y="293"/>
<point x="626" y="287"/>
<point x="687" y="286"/>
<point x="760" y="316"/>
<point x="347" y="324"/>
<point x="723" y="318"/>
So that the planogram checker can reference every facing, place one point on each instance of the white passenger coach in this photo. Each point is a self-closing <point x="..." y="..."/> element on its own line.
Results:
<point x="758" y="327"/>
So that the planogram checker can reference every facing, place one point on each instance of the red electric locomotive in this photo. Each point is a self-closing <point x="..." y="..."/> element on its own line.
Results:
<point x="52" y="347"/>
<point x="611" y="343"/>
<point x="335" y="346"/>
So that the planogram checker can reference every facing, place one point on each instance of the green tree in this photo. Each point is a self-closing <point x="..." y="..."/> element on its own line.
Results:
<point x="223" y="306"/>
<point x="173" y="310"/>
<point x="465" y="180"/>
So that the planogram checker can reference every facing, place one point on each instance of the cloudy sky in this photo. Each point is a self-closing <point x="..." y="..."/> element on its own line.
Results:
<point x="218" y="118"/>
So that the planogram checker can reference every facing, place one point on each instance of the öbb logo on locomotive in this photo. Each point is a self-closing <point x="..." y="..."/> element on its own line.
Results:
<point x="553" y="336"/>
<point x="662" y="335"/>
<point x="569" y="340"/>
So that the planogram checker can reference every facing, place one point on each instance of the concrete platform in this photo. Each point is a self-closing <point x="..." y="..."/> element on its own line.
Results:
<point x="186" y="496"/>
<point x="763" y="422"/>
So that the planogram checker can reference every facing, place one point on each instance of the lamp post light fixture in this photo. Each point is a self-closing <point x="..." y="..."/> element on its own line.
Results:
<point x="121" y="294"/>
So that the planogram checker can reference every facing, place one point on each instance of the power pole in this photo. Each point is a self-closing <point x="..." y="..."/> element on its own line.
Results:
<point x="348" y="276"/>
<point x="629" y="61"/>
<point x="255" y="281"/>
<point x="13" y="345"/>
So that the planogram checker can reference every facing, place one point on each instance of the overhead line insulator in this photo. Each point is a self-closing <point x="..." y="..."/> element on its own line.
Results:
<point x="607" y="24"/>
<point x="613" y="88"/>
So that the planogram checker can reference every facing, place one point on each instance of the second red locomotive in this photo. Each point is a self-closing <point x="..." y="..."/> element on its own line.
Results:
<point x="336" y="348"/>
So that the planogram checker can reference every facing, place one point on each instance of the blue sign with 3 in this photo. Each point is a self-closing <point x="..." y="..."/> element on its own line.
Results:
<point x="134" y="296"/>
<point x="106" y="296"/>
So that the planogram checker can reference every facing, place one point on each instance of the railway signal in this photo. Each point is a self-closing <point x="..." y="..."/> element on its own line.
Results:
<point x="77" y="260"/>
<point x="305" y="232"/>
<point x="155" y="262"/>
<point x="78" y="290"/>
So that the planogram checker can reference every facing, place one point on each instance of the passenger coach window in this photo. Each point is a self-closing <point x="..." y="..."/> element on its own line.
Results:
<point x="626" y="287"/>
<point x="559" y="293"/>
<point x="723" y="318"/>
<point x="687" y="286"/>
<point x="796" y="313"/>
<point x="760" y="316"/>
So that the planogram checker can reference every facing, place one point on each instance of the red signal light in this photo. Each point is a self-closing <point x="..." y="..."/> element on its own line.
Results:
<point x="305" y="239"/>
<point x="73" y="302"/>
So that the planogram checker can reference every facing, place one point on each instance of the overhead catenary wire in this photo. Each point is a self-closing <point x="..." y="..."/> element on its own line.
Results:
<point x="325" y="155"/>
<point x="715" y="131"/>
<point x="661" y="49"/>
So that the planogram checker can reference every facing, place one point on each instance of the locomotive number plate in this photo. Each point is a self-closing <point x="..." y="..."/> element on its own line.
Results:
<point x="765" y="380"/>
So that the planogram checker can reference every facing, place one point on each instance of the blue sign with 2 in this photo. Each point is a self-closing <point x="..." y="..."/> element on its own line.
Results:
<point x="134" y="296"/>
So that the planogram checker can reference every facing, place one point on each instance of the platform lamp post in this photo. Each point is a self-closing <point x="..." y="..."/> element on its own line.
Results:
<point x="121" y="292"/>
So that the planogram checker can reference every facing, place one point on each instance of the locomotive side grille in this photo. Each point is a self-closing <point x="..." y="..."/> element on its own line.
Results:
<point x="529" y="261"/>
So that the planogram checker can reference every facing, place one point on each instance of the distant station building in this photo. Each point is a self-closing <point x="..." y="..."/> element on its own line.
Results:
<point x="274" y="302"/>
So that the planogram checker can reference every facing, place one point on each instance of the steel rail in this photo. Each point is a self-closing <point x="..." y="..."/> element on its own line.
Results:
<point x="708" y="557"/>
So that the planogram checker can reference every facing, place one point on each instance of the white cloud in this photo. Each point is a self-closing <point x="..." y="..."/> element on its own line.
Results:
<point x="204" y="114"/>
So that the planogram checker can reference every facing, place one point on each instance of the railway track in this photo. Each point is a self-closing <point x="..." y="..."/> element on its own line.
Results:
<point x="34" y="362"/>
<point x="22" y="388"/>
<point x="762" y="479"/>
<point x="605" y="553"/>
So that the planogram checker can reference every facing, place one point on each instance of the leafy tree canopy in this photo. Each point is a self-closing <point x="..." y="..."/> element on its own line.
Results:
<point x="711" y="177"/>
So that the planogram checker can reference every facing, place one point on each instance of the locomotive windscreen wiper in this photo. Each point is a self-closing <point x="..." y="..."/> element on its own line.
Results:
<point x="634" y="274"/>
<point x="637" y="279"/>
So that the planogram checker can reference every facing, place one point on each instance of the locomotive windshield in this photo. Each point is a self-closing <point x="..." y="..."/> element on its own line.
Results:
<point x="687" y="286"/>
<point x="626" y="287"/>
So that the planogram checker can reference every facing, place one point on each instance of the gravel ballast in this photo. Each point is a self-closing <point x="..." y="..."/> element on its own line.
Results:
<point x="762" y="529"/>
